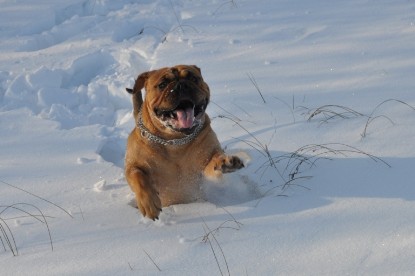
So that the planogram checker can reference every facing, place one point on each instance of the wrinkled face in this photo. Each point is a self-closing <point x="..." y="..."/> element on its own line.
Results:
<point x="178" y="97"/>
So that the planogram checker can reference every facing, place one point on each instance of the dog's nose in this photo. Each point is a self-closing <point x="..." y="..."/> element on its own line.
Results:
<point x="177" y="87"/>
<point x="181" y="87"/>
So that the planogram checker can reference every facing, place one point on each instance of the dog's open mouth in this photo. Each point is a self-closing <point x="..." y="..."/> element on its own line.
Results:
<point x="184" y="118"/>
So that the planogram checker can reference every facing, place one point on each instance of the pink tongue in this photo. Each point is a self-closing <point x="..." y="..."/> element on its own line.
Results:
<point x="185" y="118"/>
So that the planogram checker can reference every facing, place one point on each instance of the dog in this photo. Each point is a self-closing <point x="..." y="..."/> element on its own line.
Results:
<point x="172" y="148"/>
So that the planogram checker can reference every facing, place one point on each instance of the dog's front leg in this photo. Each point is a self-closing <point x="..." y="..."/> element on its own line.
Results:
<point x="222" y="163"/>
<point x="146" y="196"/>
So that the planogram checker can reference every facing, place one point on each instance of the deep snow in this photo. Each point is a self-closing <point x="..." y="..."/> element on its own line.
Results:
<point x="65" y="117"/>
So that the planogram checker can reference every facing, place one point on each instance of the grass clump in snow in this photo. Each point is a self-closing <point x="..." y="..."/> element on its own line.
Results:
<point x="213" y="242"/>
<point x="295" y="163"/>
<point x="372" y="116"/>
<point x="290" y="167"/>
<point x="22" y="211"/>
<point x="331" y="112"/>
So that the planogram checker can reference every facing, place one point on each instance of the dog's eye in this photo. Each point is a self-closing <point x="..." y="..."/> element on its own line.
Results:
<point x="163" y="84"/>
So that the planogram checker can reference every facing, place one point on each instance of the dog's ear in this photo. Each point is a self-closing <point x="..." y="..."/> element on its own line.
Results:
<point x="197" y="68"/>
<point x="139" y="83"/>
<point x="136" y="92"/>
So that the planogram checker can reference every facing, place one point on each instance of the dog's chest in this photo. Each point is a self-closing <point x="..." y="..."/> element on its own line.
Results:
<point x="178" y="177"/>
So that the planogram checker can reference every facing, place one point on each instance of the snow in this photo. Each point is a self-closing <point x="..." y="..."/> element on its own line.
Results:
<point x="343" y="205"/>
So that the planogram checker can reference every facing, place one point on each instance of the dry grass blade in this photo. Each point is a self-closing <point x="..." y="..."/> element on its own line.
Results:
<point x="227" y="224"/>
<point x="207" y="239"/>
<point x="34" y="195"/>
<point x="232" y="2"/>
<point x="210" y="234"/>
<point x="152" y="27"/>
<point x="151" y="259"/>
<point x="223" y="225"/>
<point x="165" y="34"/>
<point x="258" y="143"/>
<point x="318" y="151"/>
<point x="371" y="118"/>
<point x="175" y="15"/>
<point x="8" y="238"/>
<point x="234" y="118"/>
<point x="332" y="111"/>
<point x="233" y="218"/>
<point x="156" y="28"/>
<point x="258" y="147"/>
<point x="291" y="182"/>
<point x="283" y="187"/>
<point x="252" y="79"/>
<point x="242" y="109"/>
<point x="223" y="254"/>
<point x="35" y="216"/>
<point x="351" y="149"/>
<point x="294" y="164"/>
<point x="28" y="216"/>
<point x="247" y="131"/>
<point x="214" y="253"/>
<point x="287" y="105"/>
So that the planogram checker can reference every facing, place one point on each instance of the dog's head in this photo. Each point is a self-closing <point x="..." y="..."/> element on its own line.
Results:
<point x="177" y="96"/>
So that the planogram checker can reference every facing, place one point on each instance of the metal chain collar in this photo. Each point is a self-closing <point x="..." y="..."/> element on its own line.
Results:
<point x="173" y="142"/>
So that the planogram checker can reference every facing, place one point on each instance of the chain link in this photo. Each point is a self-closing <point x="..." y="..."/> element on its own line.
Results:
<point x="173" y="142"/>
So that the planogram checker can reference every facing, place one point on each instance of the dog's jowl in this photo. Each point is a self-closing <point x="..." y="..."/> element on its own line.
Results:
<point x="172" y="147"/>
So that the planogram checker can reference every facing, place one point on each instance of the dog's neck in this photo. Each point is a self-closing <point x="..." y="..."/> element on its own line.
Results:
<point x="145" y="132"/>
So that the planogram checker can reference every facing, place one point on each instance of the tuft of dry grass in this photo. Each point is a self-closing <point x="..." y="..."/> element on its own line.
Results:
<point x="372" y="116"/>
<point x="22" y="211"/>
<point x="231" y="223"/>
<point x="332" y="112"/>
<point x="232" y="3"/>
<point x="180" y="26"/>
<point x="36" y="196"/>
<point x="6" y="235"/>
<point x="306" y="157"/>
<point x="290" y="167"/>
<point x="209" y="236"/>
<point x="166" y="33"/>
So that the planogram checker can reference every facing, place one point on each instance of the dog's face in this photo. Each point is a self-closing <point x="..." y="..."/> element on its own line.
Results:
<point x="177" y="96"/>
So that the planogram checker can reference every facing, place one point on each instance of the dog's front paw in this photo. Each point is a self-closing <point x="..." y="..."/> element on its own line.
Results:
<point x="227" y="164"/>
<point x="149" y="203"/>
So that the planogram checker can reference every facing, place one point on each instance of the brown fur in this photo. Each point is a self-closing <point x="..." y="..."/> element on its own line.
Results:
<point x="162" y="175"/>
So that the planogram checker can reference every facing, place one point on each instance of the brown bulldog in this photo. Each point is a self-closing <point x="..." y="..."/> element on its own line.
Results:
<point x="172" y="148"/>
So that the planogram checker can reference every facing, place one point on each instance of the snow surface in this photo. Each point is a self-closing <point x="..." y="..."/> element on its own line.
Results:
<point x="270" y="64"/>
